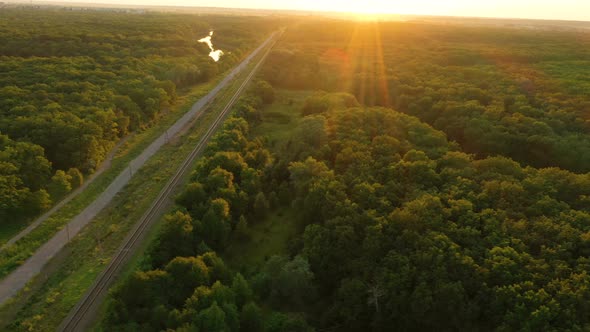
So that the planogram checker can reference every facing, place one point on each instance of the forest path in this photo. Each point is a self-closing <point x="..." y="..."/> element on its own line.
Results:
<point x="17" y="279"/>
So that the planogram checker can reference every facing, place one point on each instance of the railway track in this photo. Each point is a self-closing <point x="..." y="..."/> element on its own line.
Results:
<point x="91" y="300"/>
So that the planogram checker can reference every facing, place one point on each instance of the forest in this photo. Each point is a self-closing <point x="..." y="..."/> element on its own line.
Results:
<point x="495" y="91"/>
<point x="73" y="84"/>
<point x="385" y="176"/>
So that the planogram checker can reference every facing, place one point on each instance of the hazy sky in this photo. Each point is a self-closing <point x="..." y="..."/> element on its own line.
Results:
<point x="548" y="9"/>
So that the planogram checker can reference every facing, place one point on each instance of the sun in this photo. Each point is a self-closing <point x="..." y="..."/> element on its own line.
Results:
<point x="372" y="8"/>
<point x="369" y="9"/>
<point x="357" y="7"/>
<point x="360" y="7"/>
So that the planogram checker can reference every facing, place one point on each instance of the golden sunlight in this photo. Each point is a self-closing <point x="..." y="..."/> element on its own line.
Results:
<point x="372" y="7"/>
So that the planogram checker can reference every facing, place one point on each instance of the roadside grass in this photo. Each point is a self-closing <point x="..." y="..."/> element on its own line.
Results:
<point x="134" y="264"/>
<point x="47" y="299"/>
<point x="281" y="117"/>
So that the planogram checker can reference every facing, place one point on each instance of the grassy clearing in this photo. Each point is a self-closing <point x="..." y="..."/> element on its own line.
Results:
<point x="266" y="238"/>
<point x="48" y="299"/>
<point x="272" y="235"/>
<point x="280" y="118"/>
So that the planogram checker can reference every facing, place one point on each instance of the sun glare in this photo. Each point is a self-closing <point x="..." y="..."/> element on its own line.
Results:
<point x="362" y="8"/>
<point x="367" y="9"/>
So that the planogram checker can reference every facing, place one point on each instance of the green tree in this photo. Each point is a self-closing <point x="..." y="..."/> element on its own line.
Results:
<point x="242" y="290"/>
<point x="186" y="273"/>
<point x="176" y="238"/>
<point x="242" y="231"/>
<point x="261" y="206"/>
<point x="38" y="202"/>
<point x="216" y="227"/>
<point x="192" y="196"/>
<point x="60" y="185"/>
<point x="265" y="91"/>
<point x="251" y="318"/>
<point x="212" y="319"/>
<point x="77" y="179"/>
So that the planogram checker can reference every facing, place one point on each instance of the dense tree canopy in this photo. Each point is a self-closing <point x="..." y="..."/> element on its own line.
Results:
<point x="398" y="228"/>
<point x="496" y="91"/>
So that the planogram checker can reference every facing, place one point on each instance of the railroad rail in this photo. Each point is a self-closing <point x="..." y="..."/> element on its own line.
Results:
<point x="78" y="314"/>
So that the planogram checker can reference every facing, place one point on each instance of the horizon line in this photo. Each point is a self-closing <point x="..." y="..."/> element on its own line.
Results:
<point x="107" y="5"/>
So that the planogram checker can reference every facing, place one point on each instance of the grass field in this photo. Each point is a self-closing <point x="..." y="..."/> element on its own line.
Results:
<point x="280" y="118"/>
<point x="266" y="238"/>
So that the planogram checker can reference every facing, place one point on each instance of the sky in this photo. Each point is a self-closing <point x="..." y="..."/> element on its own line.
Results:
<point x="539" y="9"/>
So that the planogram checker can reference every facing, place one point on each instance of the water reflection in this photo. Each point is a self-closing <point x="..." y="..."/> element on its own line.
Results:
<point x="214" y="54"/>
